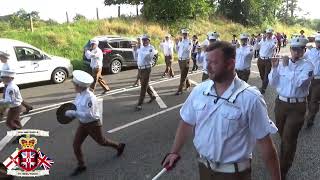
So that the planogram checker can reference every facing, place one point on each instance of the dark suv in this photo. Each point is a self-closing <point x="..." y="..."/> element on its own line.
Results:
<point x="117" y="53"/>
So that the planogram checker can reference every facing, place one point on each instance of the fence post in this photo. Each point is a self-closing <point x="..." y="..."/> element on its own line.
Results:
<point x="119" y="11"/>
<point x="97" y="13"/>
<point x="67" y="17"/>
<point x="137" y="9"/>
<point x="31" y="23"/>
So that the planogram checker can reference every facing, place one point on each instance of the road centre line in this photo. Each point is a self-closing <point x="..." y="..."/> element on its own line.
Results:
<point x="117" y="91"/>
<point x="143" y="119"/>
<point x="193" y="82"/>
<point x="158" y="99"/>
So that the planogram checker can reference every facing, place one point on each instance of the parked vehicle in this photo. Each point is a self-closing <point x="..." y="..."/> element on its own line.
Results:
<point x="117" y="53"/>
<point x="34" y="65"/>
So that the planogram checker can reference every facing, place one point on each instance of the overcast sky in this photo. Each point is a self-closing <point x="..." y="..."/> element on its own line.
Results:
<point x="56" y="9"/>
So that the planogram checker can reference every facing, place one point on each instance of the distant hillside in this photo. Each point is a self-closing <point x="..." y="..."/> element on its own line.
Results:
<point x="68" y="39"/>
<point x="5" y="18"/>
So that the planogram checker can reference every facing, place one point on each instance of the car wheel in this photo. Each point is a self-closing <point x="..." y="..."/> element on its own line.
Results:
<point x="154" y="61"/>
<point x="115" y="66"/>
<point x="59" y="76"/>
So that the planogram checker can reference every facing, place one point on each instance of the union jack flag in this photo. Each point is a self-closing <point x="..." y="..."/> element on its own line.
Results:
<point x="28" y="159"/>
<point x="44" y="161"/>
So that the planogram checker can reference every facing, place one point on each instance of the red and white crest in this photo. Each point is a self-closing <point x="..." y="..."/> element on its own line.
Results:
<point x="28" y="159"/>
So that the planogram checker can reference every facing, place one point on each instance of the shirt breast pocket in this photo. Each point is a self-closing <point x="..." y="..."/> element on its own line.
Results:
<point x="232" y="120"/>
<point x="200" y="109"/>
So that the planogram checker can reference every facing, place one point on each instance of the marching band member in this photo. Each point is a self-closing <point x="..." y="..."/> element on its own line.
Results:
<point x="267" y="51"/>
<point x="12" y="99"/>
<point x="96" y="56"/>
<point x="228" y="118"/>
<point x="145" y="56"/>
<point x="244" y="57"/>
<point x="89" y="119"/>
<point x="202" y="56"/>
<point x="4" y="57"/>
<point x="184" y="48"/>
<point x="313" y="56"/>
<point x="291" y="78"/>
<point x="167" y="48"/>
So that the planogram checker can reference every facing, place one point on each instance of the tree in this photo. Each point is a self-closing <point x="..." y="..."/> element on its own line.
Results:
<point x="79" y="17"/>
<point x="118" y="2"/>
<point x="168" y="11"/>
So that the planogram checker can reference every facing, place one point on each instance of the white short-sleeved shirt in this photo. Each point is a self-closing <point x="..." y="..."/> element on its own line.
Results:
<point x="87" y="107"/>
<point x="226" y="132"/>
<point x="12" y="95"/>
<point x="184" y="48"/>
<point x="313" y="56"/>
<point x="267" y="47"/>
<point x="145" y="55"/>
<point x="292" y="81"/>
<point x="167" y="48"/>
<point x="244" y="56"/>
<point x="202" y="59"/>
<point x="96" y="57"/>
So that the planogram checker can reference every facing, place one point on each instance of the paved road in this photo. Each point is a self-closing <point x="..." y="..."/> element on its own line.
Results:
<point x="148" y="134"/>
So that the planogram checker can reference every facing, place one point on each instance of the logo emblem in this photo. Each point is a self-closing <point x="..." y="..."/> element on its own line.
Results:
<point x="28" y="161"/>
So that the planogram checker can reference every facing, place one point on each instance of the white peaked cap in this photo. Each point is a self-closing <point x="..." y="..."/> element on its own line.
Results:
<point x="269" y="30"/>
<point x="244" y="36"/>
<point x="299" y="42"/>
<point x="94" y="41"/>
<point x="145" y="36"/>
<point x="82" y="78"/>
<point x="184" y="31"/>
<point x="213" y="37"/>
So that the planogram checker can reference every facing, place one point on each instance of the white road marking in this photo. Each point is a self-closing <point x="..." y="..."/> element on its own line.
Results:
<point x="158" y="99"/>
<point x="4" y="141"/>
<point x="116" y="91"/>
<point x="193" y="82"/>
<point x="255" y="72"/>
<point x="144" y="119"/>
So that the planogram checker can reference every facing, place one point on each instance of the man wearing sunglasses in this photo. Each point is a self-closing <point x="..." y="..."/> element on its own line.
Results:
<point x="291" y="78"/>
<point x="313" y="56"/>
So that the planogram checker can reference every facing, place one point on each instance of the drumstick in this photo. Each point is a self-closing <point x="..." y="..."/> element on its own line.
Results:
<point x="160" y="174"/>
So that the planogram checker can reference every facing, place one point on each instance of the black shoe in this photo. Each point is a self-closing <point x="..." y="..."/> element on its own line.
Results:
<point x="152" y="99"/>
<point x="78" y="170"/>
<point x="262" y="91"/>
<point x="138" y="108"/>
<point x="178" y="93"/>
<point x="28" y="110"/>
<point x="188" y="86"/>
<point x="172" y="76"/>
<point x="121" y="149"/>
